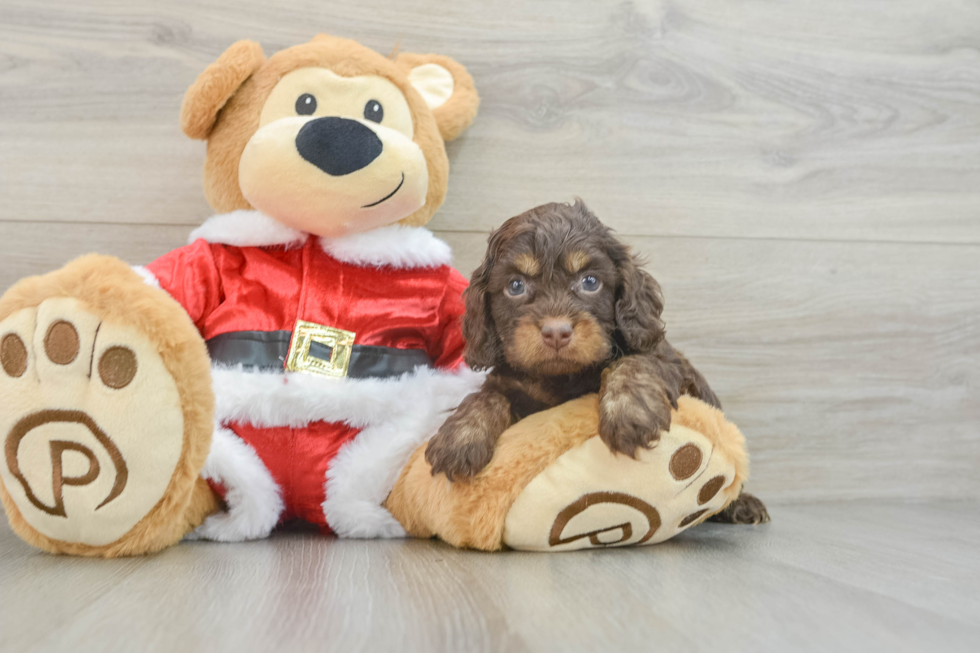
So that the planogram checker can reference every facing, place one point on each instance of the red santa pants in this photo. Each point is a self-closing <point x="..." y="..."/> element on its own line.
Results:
<point x="298" y="460"/>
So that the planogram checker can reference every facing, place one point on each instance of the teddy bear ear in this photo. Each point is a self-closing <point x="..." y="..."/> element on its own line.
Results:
<point x="446" y="87"/>
<point x="216" y="85"/>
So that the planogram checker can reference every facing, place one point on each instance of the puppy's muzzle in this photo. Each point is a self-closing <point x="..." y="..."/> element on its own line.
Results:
<point x="338" y="146"/>
<point x="556" y="333"/>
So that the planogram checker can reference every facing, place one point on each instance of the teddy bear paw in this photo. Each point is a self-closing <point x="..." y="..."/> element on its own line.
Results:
<point x="91" y="422"/>
<point x="591" y="497"/>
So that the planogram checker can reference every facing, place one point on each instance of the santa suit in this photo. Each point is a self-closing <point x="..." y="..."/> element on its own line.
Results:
<point x="333" y="360"/>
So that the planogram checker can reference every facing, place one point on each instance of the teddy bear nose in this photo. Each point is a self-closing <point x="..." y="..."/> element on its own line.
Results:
<point x="338" y="146"/>
<point x="556" y="333"/>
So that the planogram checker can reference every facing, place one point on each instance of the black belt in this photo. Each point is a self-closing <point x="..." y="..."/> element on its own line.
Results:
<point x="268" y="350"/>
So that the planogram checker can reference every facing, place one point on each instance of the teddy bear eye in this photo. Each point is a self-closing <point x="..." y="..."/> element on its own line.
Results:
<point x="373" y="111"/>
<point x="590" y="284"/>
<point x="516" y="288"/>
<point x="305" y="104"/>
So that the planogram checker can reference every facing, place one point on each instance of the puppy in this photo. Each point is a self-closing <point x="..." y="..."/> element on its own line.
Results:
<point x="560" y="308"/>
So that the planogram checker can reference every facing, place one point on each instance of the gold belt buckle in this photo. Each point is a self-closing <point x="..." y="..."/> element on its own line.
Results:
<point x="305" y="334"/>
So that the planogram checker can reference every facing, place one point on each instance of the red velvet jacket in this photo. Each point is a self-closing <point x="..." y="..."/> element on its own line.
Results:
<point x="225" y="289"/>
<point x="295" y="438"/>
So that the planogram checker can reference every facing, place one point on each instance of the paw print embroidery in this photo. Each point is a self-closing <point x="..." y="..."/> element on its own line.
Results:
<point x="58" y="450"/>
<point x="79" y="399"/>
<point x="684" y="464"/>
<point x="604" y="536"/>
<point x="590" y="497"/>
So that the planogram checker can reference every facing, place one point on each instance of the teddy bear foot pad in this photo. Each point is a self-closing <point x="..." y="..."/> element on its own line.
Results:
<point x="553" y="485"/>
<point x="92" y="420"/>
<point x="590" y="497"/>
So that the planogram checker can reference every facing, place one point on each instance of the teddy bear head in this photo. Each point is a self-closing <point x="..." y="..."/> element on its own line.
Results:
<point x="329" y="137"/>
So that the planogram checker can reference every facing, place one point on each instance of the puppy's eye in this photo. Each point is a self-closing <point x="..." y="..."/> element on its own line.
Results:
<point x="373" y="111"/>
<point x="591" y="284"/>
<point x="305" y="104"/>
<point x="515" y="288"/>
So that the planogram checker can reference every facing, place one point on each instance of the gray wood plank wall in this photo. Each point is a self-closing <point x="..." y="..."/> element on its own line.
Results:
<point x="804" y="178"/>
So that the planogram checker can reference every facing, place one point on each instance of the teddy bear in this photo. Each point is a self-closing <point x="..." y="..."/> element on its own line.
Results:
<point x="292" y="361"/>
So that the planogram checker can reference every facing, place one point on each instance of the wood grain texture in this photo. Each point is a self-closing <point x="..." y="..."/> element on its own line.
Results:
<point x="870" y="577"/>
<point x="811" y="120"/>
<point x="804" y="177"/>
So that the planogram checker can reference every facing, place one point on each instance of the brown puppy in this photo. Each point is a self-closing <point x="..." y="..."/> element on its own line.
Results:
<point x="560" y="308"/>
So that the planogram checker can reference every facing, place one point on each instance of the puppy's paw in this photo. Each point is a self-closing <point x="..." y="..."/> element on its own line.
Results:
<point x="459" y="459"/>
<point x="464" y="444"/>
<point x="626" y="424"/>
<point x="746" y="509"/>
<point x="634" y="405"/>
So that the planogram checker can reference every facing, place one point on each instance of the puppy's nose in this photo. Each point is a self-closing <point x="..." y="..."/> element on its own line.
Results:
<point x="556" y="333"/>
<point x="338" y="146"/>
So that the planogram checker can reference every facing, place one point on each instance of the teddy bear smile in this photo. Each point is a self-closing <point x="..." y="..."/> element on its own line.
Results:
<point x="388" y="196"/>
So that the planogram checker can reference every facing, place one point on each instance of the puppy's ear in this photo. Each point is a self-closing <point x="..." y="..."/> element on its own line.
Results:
<point x="446" y="87"/>
<point x="215" y="86"/>
<point x="483" y="348"/>
<point x="639" y="303"/>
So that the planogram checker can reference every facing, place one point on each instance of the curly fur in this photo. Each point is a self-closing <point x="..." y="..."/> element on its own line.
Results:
<point x="613" y="345"/>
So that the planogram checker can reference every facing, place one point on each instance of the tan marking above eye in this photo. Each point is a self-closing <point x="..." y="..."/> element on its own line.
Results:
<point x="13" y="355"/>
<point x="527" y="264"/>
<point x="61" y="343"/>
<point x="685" y="462"/>
<point x="340" y="96"/>
<point x="117" y="367"/>
<point x="575" y="261"/>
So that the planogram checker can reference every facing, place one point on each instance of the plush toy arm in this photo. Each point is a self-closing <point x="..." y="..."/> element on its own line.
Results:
<point x="189" y="275"/>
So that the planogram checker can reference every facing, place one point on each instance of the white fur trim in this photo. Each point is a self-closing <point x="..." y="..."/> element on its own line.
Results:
<point x="245" y="228"/>
<point x="396" y="415"/>
<point x="273" y="399"/>
<point x="148" y="277"/>
<point x="365" y="470"/>
<point x="254" y="499"/>
<point x="394" y="246"/>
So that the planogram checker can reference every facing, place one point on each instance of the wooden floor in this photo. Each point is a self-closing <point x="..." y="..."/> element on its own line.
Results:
<point x="834" y="577"/>
<point x="804" y="178"/>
